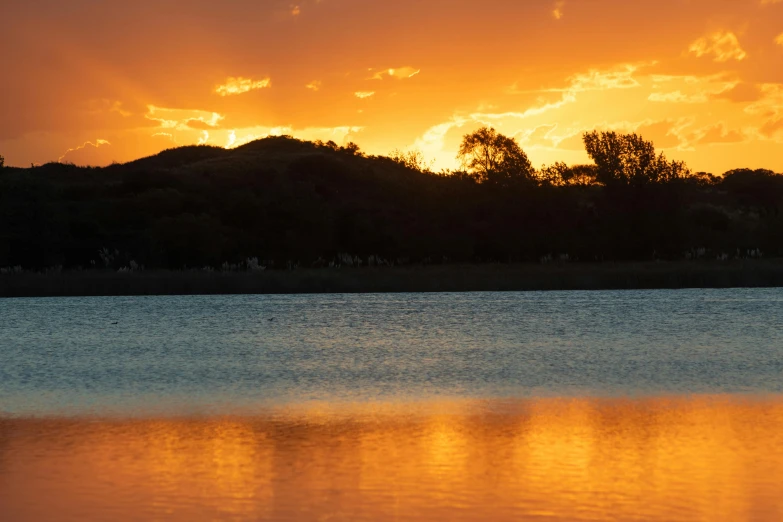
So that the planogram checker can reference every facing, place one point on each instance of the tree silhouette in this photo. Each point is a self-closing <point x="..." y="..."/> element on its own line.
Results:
<point x="413" y="159"/>
<point x="560" y="175"/>
<point x="581" y="175"/>
<point x="494" y="158"/>
<point x="2" y="162"/>
<point x="629" y="159"/>
<point x="288" y="202"/>
<point x="352" y="149"/>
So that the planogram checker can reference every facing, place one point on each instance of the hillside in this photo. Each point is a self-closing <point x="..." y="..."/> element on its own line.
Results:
<point x="288" y="202"/>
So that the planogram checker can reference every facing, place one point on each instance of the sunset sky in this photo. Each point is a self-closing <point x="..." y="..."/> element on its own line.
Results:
<point x="93" y="82"/>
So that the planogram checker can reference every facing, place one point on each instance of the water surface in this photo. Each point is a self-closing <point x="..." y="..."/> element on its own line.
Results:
<point x="655" y="405"/>
<point x="227" y="353"/>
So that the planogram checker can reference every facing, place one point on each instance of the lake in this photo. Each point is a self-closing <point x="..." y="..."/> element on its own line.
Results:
<point x="633" y="405"/>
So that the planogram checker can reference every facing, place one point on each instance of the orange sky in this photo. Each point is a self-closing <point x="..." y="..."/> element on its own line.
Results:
<point x="95" y="82"/>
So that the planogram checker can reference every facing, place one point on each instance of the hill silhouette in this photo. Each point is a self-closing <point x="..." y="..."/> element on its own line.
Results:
<point x="286" y="202"/>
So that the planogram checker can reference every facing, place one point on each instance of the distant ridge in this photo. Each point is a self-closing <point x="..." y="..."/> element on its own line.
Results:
<point x="282" y="203"/>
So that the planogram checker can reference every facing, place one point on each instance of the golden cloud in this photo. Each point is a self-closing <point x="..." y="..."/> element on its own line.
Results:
<point x="770" y="107"/>
<point x="770" y="102"/>
<point x="200" y="124"/>
<point x="240" y="85"/>
<point x="722" y="46"/>
<point x="741" y="92"/>
<point x="717" y="133"/>
<point x="183" y="119"/>
<point x="621" y="77"/>
<point x="315" y="85"/>
<point x="698" y="89"/>
<point x="540" y="136"/>
<point x="400" y="73"/>
<point x="98" y="143"/>
<point x="107" y="106"/>
<point x="773" y="129"/>
<point x="532" y="111"/>
<point x="557" y="12"/>
<point x="678" y="97"/>
<point x="779" y="39"/>
<point x="362" y="95"/>
<point x="166" y="135"/>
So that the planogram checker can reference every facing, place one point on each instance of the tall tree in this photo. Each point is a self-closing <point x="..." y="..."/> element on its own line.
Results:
<point x="495" y="158"/>
<point x="630" y="159"/>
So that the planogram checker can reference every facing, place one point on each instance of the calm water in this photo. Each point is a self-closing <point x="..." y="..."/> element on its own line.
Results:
<point x="656" y="405"/>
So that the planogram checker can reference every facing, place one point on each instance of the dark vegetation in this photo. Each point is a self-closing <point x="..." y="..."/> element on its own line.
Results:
<point x="433" y="278"/>
<point x="281" y="203"/>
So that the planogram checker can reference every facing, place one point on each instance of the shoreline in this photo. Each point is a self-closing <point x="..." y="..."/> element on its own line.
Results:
<point x="409" y="279"/>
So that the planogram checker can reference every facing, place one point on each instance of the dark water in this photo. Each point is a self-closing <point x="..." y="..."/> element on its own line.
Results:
<point x="654" y="405"/>
<point x="225" y="354"/>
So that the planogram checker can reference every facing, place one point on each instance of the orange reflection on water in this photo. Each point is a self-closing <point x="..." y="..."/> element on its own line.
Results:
<point x="702" y="458"/>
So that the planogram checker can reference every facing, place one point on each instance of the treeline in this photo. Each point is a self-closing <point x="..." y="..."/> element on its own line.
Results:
<point x="281" y="203"/>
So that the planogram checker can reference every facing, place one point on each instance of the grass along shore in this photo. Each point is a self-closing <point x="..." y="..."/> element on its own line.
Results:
<point x="440" y="278"/>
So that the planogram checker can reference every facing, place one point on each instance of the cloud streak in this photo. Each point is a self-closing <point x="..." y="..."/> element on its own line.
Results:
<point x="723" y="46"/>
<point x="182" y="119"/>
<point x="96" y="144"/>
<point x="399" y="73"/>
<point x="235" y="86"/>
